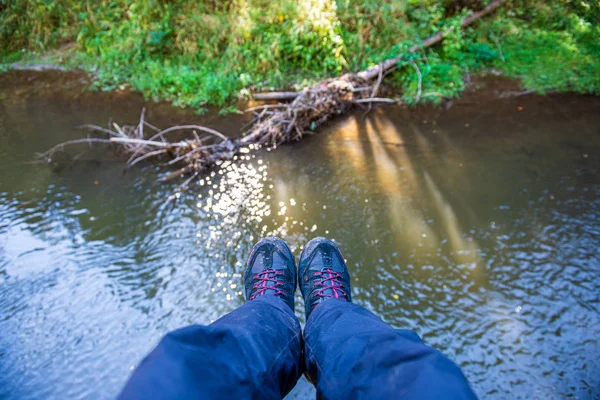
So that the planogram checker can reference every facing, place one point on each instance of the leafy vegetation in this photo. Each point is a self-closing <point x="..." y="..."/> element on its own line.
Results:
<point x="209" y="52"/>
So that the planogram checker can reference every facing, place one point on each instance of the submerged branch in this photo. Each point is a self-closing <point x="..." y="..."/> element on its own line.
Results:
<point x="61" y="146"/>
<point x="148" y="142"/>
<point x="98" y="129"/>
<point x="182" y="127"/>
<point x="147" y="155"/>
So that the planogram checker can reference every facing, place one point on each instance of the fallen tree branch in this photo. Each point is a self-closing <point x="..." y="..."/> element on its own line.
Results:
<point x="176" y="174"/>
<point x="140" y="128"/>
<point x="275" y="96"/>
<point x="97" y="128"/>
<point x="373" y="72"/>
<point x="147" y="155"/>
<point x="376" y="100"/>
<point x="265" y="106"/>
<point x="61" y="146"/>
<point x="182" y="127"/>
<point x="379" y="79"/>
<point x="148" y="142"/>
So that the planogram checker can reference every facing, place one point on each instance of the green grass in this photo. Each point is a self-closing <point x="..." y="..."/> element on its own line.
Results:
<point x="195" y="53"/>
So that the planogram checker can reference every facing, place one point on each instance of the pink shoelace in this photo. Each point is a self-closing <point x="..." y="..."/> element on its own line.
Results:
<point x="329" y="281"/>
<point x="262" y="280"/>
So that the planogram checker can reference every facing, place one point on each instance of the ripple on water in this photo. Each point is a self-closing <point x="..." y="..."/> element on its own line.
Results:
<point x="488" y="253"/>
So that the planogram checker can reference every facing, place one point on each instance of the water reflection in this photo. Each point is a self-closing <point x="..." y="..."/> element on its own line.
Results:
<point x="484" y="244"/>
<point x="464" y="250"/>
<point x="398" y="179"/>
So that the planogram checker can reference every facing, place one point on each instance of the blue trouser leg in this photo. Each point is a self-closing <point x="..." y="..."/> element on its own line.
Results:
<point x="350" y="353"/>
<point x="252" y="352"/>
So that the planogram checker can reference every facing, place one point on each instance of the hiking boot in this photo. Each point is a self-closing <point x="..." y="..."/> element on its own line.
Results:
<point x="323" y="274"/>
<point x="271" y="271"/>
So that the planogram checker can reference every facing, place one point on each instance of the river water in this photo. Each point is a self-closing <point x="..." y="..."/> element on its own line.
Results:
<point x="477" y="226"/>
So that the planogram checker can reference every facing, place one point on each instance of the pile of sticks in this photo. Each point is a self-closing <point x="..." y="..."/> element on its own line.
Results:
<point x="272" y="124"/>
<point x="145" y="141"/>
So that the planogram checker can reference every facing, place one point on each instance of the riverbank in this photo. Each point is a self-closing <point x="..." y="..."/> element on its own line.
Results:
<point x="197" y="55"/>
<point x="66" y="89"/>
<point x="72" y="87"/>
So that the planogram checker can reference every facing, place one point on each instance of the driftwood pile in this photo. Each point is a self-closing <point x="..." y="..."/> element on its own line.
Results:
<point x="271" y="125"/>
<point x="145" y="141"/>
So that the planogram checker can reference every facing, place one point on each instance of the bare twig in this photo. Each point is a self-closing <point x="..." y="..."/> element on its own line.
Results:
<point x="176" y="174"/>
<point x="141" y="124"/>
<point x="148" y="142"/>
<point x="119" y="130"/>
<point x="376" y="87"/>
<point x="182" y="127"/>
<point x="148" y="155"/>
<point x="497" y="41"/>
<point x="151" y="126"/>
<point x="99" y="129"/>
<point x="141" y="135"/>
<point x="416" y="67"/>
<point x="376" y="100"/>
<point x="358" y="89"/>
<point x="265" y="106"/>
<point x="196" y="136"/>
<point x="190" y="153"/>
<point x="191" y="178"/>
<point x="71" y="142"/>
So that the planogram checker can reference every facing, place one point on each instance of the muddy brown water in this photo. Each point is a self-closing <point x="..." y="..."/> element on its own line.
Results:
<point x="477" y="226"/>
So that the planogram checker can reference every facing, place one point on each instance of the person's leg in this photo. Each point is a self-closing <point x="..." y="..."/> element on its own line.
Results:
<point x="350" y="353"/>
<point x="254" y="352"/>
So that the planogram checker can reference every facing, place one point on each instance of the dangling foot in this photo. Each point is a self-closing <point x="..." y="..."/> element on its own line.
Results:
<point x="271" y="271"/>
<point x="323" y="274"/>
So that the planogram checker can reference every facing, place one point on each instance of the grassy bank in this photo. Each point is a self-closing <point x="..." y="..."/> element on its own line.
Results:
<point x="210" y="52"/>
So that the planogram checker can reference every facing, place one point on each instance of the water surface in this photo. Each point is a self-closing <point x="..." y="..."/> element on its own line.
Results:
<point x="477" y="227"/>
